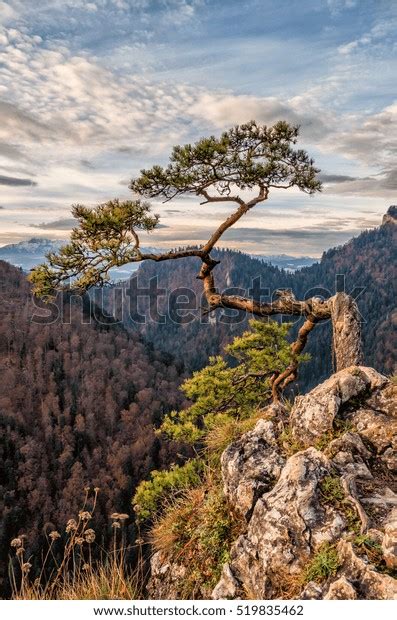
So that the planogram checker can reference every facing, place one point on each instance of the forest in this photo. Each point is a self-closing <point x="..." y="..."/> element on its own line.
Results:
<point x="78" y="407"/>
<point x="83" y="397"/>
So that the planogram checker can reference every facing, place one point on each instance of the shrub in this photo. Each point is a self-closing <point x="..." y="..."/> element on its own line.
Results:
<point x="165" y="485"/>
<point x="222" y="392"/>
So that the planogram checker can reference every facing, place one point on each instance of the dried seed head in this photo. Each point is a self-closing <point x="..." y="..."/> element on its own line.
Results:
<point x="123" y="516"/>
<point x="87" y="489"/>
<point x="19" y="551"/>
<point x="26" y="567"/>
<point x="86" y="567"/>
<point x="16" y="542"/>
<point x="79" y="540"/>
<point x="116" y="525"/>
<point x="89" y="536"/>
<point x="71" y="526"/>
<point x="139" y="541"/>
<point x="85" y="515"/>
<point x="54" y="535"/>
<point x="96" y="489"/>
<point x="115" y="515"/>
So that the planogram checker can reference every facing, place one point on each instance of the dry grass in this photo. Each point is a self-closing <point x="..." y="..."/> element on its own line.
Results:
<point x="76" y="576"/>
<point x="104" y="581"/>
<point x="197" y="531"/>
<point x="222" y="435"/>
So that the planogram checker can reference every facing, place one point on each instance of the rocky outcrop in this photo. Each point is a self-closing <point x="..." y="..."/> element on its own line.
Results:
<point x="166" y="578"/>
<point x="251" y="465"/>
<point x="335" y="496"/>
<point x="314" y="414"/>
<point x="390" y="217"/>
<point x="321" y="512"/>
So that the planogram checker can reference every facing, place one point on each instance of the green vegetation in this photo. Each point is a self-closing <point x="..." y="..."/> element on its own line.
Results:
<point x="372" y="549"/>
<point x="288" y="443"/>
<point x="332" y="490"/>
<point x="324" y="564"/>
<point x="222" y="393"/>
<point x="197" y="531"/>
<point x="185" y="506"/>
<point x="333" y="494"/>
<point x="164" y="485"/>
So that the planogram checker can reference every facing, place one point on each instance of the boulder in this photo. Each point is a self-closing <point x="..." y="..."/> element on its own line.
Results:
<point x="250" y="467"/>
<point x="313" y="415"/>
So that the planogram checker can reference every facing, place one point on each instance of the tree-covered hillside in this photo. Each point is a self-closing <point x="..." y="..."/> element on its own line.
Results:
<point x="366" y="267"/>
<point x="77" y="408"/>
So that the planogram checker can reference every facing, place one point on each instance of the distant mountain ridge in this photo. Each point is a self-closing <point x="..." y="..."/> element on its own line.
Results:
<point x="285" y="261"/>
<point x="28" y="254"/>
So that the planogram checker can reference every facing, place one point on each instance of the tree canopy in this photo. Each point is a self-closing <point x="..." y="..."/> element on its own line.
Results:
<point x="248" y="158"/>
<point x="242" y="166"/>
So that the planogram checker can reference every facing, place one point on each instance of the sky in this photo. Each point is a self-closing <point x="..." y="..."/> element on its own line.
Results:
<point x="91" y="92"/>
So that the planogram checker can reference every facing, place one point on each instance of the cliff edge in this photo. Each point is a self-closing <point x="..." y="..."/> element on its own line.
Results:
<point x="316" y="493"/>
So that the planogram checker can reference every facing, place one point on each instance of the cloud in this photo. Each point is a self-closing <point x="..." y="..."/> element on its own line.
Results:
<point x="224" y="110"/>
<point x="18" y="125"/>
<point x="297" y="241"/>
<point x="15" y="182"/>
<point x="335" y="178"/>
<point x="10" y="151"/>
<point x="337" y="6"/>
<point x="7" y="13"/>
<point x="378" y="34"/>
<point x="68" y="98"/>
<point x="60" y="224"/>
<point x="372" y="142"/>
<point x="382" y="184"/>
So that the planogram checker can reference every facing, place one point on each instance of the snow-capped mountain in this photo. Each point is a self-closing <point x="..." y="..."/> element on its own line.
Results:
<point x="28" y="254"/>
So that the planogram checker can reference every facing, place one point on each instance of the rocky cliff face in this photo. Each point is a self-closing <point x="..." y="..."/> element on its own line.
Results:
<point x="390" y="216"/>
<point x="317" y="493"/>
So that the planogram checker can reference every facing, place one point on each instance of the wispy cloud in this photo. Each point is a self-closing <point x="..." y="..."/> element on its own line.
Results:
<point x="15" y="182"/>
<point x="90" y="92"/>
<point x="59" y="224"/>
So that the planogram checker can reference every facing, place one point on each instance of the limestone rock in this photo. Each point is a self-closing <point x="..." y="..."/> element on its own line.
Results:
<point x="285" y="523"/>
<point x="166" y="578"/>
<point x="369" y="583"/>
<point x="227" y="587"/>
<point x="376" y="420"/>
<point x="390" y="217"/>
<point x="312" y="591"/>
<point x="250" y="466"/>
<point x="287" y="514"/>
<point x="313" y="414"/>
<point x="389" y="543"/>
<point x="340" y="590"/>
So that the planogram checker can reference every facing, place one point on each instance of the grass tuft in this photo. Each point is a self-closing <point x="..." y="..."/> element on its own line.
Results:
<point x="323" y="565"/>
<point x="196" y="531"/>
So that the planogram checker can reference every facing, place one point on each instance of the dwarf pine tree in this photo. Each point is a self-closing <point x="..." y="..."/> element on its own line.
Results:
<point x="229" y="390"/>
